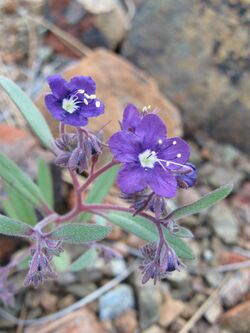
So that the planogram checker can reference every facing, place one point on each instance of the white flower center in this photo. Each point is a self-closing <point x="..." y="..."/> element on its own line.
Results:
<point x="148" y="158"/>
<point x="70" y="104"/>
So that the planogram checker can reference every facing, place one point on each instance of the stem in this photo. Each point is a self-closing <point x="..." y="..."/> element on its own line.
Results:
<point x="96" y="174"/>
<point x="96" y="207"/>
<point x="61" y="129"/>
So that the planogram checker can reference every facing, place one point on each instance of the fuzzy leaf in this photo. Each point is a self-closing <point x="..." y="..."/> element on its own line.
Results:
<point x="11" y="227"/>
<point x="80" y="233"/>
<point x="45" y="182"/>
<point x="15" y="177"/>
<point x="207" y="201"/>
<point x="183" y="233"/>
<point x="62" y="261"/>
<point x="146" y="230"/>
<point x="29" y="111"/>
<point x="100" y="189"/>
<point x="84" y="261"/>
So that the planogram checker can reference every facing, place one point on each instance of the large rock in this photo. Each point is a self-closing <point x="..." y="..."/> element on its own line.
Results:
<point x="199" y="53"/>
<point x="118" y="83"/>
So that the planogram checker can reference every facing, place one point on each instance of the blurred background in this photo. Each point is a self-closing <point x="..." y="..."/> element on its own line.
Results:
<point x="190" y="59"/>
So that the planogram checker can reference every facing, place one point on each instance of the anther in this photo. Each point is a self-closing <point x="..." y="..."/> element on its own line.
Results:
<point x="179" y="155"/>
<point x="85" y="101"/>
<point x="97" y="104"/>
<point x="174" y="142"/>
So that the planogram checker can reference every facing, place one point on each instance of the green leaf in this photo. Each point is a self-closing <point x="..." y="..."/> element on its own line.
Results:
<point x="23" y="210"/>
<point x="15" y="177"/>
<point x="45" y="182"/>
<point x="24" y="264"/>
<point x="62" y="262"/>
<point x="183" y="233"/>
<point x="80" y="233"/>
<point x="100" y="189"/>
<point x="207" y="201"/>
<point x="9" y="209"/>
<point x="147" y="230"/>
<point x="84" y="261"/>
<point x="11" y="227"/>
<point x="29" y="111"/>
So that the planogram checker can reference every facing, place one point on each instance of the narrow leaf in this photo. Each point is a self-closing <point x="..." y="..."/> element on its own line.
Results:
<point x="23" y="210"/>
<point x="62" y="262"/>
<point x="183" y="233"/>
<point x="29" y="111"/>
<point x="100" y="189"/>
<point x="146" y="230"/>
<point x="11" y="227"/>
<point x="205" y="202"/>
<point x="15" y="177"/>
<point x="45" y="182"/>
<point x="9" y="209"/>
<point x="80" y="233"/>
<point x="84" y="261"/>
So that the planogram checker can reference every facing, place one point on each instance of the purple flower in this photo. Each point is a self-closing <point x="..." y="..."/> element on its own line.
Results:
<point x="73" y="102"/>
<point x="187" y="179"/>
<point x="148" y="158"/>
<point x="131" y="118"/>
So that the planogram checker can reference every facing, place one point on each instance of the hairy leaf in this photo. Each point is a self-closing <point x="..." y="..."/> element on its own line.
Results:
<point x="45" y="182"/>
<point x="146" y="230"/>
<point x="29" y="111"/>
<point x="11" y="227"/>
<point x="20" y="181"/>
<point x="84" y="261"/>
<point x="207" y="201"/>
<point x="80" y="233"/>
<point x="62" y="261"/>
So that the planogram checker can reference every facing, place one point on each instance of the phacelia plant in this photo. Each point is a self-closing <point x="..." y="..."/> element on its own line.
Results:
<point x="152" y="167"/>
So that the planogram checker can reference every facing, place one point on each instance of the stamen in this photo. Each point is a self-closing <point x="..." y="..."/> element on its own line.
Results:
<point x="81" y="91"/>
<point x="179" y="155"/>
<point x="160" y="141"/>
<point x="85" y="101"/>
<point x="97" y="104"/>
<point x="174" y="142"/>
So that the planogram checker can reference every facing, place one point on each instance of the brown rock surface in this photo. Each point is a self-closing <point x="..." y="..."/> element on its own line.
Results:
<point x="118" y="83"/>
<point x="127" y="322"/>
<point x="80" y="321"/>
<point x="198" y="51"/>
<point x="237" y="319"/>
<point x="169" y="311"/>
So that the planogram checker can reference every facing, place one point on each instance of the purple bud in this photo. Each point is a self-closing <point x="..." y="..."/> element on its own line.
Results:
<point x="188" y="179"/>
<point x="62" y="159"/>
<point x="74" y="159"/>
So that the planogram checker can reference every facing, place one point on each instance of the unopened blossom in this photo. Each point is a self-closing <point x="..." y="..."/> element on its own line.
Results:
<point x="148" y="158"/>
<point x="187" y="179"/>
<point x="73" y="102"/>
<point x="158" y="266"/>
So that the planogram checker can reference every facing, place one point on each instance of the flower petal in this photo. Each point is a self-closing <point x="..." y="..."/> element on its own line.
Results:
<point x="83" y="82"/>
<point x="150" y="130"/>
<point x="125" y="147"/>
<point x="54" y="107"/>
<point x="176" y="150"/>
<point x="162" y="182"/>
<point x="131" y="178"/>
<point x="92" y="110"/>
<point x="58" y="86"/>
<point x="131" y="118"/>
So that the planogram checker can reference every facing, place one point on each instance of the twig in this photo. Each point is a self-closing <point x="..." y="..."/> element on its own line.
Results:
<point x="84" y="301"/>
<point x="230" y="267"/>
<point x="198" y="314"/>
<point x="68" y="39"/>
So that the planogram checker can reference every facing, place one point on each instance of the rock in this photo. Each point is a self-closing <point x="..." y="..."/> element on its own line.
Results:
<point x="118" y="83"/>
<point x="169" y="311"/>
<point x="224" y="223"/>
<point x="198" y="52"/>
<point x="127" y="322"/>
<point x="81" y="290"/>
<point x="149" y="299"/>
<point x="222" y="176"/>
<point x="235" y="288"/>
<point x="117" y="266"/>
<point x="48" y="301"/>
<point x="115" y="302"/>
<point x="238" y="318"/>
<point x="178" y="279"/>
<point x="154" y="329"/>
<point x="226" y="258"/>
<point x="82" y="320"/>
<point x="66" y="301"/>
<point x="213" y="312"/>
<point x="213" y="278"/>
